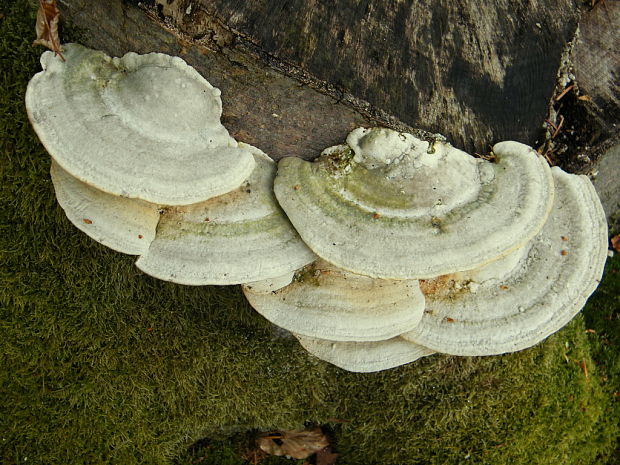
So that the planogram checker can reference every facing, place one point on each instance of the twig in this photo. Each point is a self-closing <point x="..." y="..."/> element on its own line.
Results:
<point x="564" y="92"/>
<point x="557" y="129"/>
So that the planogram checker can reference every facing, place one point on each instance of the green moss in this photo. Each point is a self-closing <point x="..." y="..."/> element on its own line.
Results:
<point x="102" y="364"/>
<point x="336" y="162"/>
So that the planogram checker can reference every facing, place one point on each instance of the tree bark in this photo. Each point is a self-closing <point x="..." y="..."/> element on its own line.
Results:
<point x="297" y="75"/>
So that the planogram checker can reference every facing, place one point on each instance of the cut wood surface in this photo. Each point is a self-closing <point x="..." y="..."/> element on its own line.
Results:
<point x="296" y="75"/>
<point x="596" y="62"/>
<point x="477" y="73"/>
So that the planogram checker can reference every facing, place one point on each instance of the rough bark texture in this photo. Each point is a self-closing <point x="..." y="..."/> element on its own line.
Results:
<point x="596" y="61"/>
<point x="297" y="75"/>
<point x="475" y="74"/>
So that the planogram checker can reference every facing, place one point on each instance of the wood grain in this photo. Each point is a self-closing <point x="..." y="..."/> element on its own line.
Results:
<point x="297" y="75"/>
<point x="477" y="72"/>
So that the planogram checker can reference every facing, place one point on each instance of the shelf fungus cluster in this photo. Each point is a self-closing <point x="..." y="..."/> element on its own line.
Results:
<point x="385" y="249"/>
<point x="142" y="164"/>
<point x="424" y="248"/>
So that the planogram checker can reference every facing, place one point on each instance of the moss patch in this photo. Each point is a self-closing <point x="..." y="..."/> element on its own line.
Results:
<point x="102" y="364"/>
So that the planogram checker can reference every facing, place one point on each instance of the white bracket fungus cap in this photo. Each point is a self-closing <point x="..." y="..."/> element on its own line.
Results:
<point x="539" y="290"/>
<point x="267" y="286"/>
<point x="141" y="126"/>
<point x="125" y="225"/>
<point x="329" y="303"/>
<point x="389" y="205"/>
<point x="365" y="357"/>
<point x="238" y="237"/>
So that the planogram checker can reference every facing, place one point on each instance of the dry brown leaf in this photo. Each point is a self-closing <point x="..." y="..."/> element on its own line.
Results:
<point x="48" y="17"/>
<point x="615" y="242"/>
<point x="297" y="444"/>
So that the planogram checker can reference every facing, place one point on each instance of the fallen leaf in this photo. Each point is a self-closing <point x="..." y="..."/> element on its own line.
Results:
<point x="46" y="26"/>
<point x="615" y="242"/>
<point x="297" y="444"/>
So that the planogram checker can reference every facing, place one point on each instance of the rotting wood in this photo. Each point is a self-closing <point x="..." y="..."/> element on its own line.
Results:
<point x="475" y="73"/>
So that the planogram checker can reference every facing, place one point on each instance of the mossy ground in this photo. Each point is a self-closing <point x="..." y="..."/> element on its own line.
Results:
<point x="102" y="364"/>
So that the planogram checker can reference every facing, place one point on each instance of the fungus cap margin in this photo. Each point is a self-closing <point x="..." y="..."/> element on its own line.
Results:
<point x="140" y="126"/>
<point x="239" y="237"/>
<point x="546" y="288"/>
<point x="371" y="221"/>
<point x="125" y="225"/>
<point x="365" y="357"/>
<point x="329" y="303"/>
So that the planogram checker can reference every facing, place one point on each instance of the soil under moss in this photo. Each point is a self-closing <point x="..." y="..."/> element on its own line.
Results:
<point x="102" y="364"/>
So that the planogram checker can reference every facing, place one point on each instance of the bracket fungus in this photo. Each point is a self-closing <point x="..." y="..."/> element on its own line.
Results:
<point x="538" y="291"/>
<point x="141" y="126"/>
<point x="142" y="164"/>
<point x="389" y="205"/>
<point x="421" y="247"/>
<point x="525" y="246"/>
<point x="125" y="225"/>
<point x="239" y="237"/>
<point x="329" y="303"/>
<point x="364" y="357"/>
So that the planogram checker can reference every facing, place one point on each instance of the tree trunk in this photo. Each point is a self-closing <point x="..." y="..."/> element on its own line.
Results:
<point x="476" y="75"/>
<point x="297" y="75"/>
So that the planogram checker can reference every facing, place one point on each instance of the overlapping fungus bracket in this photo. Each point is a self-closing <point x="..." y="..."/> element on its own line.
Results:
<point x="421" y="247"/>
<point x="141" y="126"/>
<point x="435" y="211"/>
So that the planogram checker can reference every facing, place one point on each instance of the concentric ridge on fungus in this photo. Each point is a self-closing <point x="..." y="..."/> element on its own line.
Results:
<point x="365" y="357"/>
<point x="329" y="303"/>
<point x="402" y="209"/>
<point x="238" y="237"/>
<point x="538" y="291"/>
<point x="125" y="225"/>
<point x="141" y="126"/>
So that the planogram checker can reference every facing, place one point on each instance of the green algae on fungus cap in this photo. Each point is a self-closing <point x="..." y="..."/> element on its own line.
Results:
<point x="516" y="303"/>
<point x="141" y="126"/>
<point x="238" y="237"/>
<point x="329" y="303"/>
<point x="401" y="209"/>
<point x="125" y="225"/>
<point x="365" y="357"/>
